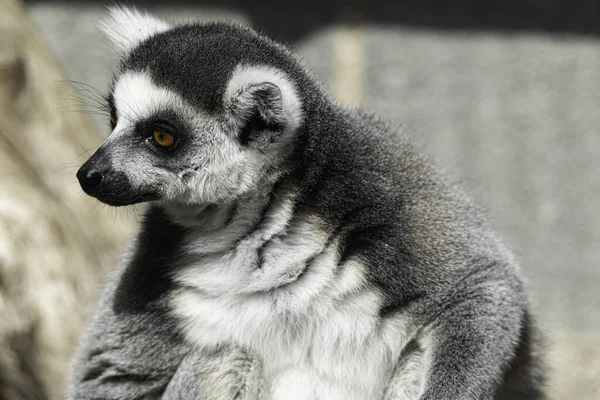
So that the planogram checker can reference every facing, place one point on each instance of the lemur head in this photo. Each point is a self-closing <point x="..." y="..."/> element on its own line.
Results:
<point x="201" y="114"/>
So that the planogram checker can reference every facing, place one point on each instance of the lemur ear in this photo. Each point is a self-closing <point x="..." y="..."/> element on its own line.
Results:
<point x="128" y="27"/>
<point x="262" y="105"/>
<point x="259" y="109"/>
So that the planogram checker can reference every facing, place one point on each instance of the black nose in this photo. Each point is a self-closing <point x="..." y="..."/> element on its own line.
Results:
<point x="89" y="179"/>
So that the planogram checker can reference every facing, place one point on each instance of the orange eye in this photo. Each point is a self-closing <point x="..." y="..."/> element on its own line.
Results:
<point x="113" y="121"/>
<point x="163" y="139"/>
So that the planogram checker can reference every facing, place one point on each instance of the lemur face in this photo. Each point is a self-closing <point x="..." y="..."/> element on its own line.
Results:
<point x="194" y="122"/>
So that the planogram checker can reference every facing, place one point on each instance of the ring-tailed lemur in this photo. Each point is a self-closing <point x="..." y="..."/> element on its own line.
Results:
<point x="292" y="248"/>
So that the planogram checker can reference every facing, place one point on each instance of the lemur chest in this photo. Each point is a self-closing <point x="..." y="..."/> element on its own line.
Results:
<point x="327" y="351"/>
<point x="311" y="319"/>
<point x="335" y="355"/>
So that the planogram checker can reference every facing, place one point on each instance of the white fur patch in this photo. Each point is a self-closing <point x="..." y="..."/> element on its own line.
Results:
<point x="128" y="27"/>
<point x="408" y="382"/>
<point x="246" y="75"/>
<point x="136" y="97"/>
<point x="312" y="321"/>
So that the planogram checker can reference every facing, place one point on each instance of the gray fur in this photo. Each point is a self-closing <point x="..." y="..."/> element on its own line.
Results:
<point x="294" y="249"/>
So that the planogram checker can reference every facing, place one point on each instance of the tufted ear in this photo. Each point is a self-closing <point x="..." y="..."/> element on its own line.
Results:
<point x="263" y="104"/>
<point x="127" y="27"/>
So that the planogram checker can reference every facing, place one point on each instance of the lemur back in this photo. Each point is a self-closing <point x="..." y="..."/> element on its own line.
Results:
<point x="293" y="248"/>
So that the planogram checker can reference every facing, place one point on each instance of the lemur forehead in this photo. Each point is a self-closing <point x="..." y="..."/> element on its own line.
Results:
<point x="137" y="97"/>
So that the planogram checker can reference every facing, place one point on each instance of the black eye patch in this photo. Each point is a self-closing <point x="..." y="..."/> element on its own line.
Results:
<point x="164" y="121"/>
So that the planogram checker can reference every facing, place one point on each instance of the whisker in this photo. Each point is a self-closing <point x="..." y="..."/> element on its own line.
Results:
<point x="63" y="167"/>
<point x="135" y="102"/>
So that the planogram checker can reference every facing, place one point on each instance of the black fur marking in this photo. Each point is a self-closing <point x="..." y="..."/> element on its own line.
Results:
<point x="139" y="379"/>
<point x="254" y="124"/>
<point x="147" y="277"/>
<point x="261" y="251"/>
<point x="233" y="211"/>
<point x="258" y="130"/>
<point x="96" y="371"/>
<point x="265" y="121"/>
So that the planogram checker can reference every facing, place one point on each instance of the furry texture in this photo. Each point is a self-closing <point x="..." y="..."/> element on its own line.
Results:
<point x="294" y="249"/>
<point x="127" y="27"/>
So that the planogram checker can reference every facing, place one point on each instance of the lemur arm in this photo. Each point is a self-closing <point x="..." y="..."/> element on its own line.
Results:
<point x="118" y="383"/>
<point x="130" y="349"/>
<point x="464" y="350"/>
<point x="125" y="360"/>
<point x="474" y="336"/>
<point x="223" y="373"/>
<point x="185" y="384"/>
<point x="147" y="367"/>
<point x="136" y="356"/>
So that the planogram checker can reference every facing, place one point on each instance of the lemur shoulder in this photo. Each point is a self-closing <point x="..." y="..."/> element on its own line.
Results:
<point x="292" y="248"/>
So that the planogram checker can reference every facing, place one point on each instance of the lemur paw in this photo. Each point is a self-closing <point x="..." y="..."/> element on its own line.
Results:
<point x="230" y="373"/>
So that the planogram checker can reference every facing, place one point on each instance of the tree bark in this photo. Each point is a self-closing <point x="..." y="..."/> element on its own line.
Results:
<point x="54" y="246"/>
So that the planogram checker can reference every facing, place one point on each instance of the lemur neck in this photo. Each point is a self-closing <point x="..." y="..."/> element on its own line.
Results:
<point x="221" y="227"/>
<point x="209" y="217"/>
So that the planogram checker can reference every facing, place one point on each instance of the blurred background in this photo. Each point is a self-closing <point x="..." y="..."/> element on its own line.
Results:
<point x="505" y="94"/>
